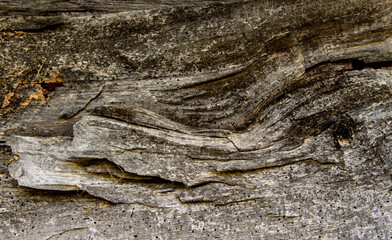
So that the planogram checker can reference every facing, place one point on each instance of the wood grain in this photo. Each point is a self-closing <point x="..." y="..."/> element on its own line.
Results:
<point x="196" y="119"/>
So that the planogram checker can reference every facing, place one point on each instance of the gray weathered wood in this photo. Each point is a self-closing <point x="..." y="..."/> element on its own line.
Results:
<point x="196" y="119"/>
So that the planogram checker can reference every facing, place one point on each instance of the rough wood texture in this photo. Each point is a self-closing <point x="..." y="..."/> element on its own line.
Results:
<point x="196" y="119"/>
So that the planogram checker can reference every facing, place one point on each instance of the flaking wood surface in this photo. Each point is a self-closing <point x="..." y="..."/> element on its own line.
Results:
<point x="196" y="119"/>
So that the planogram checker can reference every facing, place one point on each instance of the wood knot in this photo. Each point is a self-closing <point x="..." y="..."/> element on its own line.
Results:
<point x="343" y="130"/>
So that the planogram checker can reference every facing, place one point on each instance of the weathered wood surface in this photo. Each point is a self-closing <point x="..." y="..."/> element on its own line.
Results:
<point x="196" y="119"/>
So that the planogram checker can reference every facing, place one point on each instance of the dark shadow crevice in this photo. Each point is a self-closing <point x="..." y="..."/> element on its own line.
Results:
<point x="217" y="204"/>
<point x="284" y="163"/>
<point x="109" y="170"/>
<point x="38" y="195"/>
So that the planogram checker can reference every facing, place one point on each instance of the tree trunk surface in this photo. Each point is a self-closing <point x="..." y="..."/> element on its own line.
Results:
<point x="196" y="119"/>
